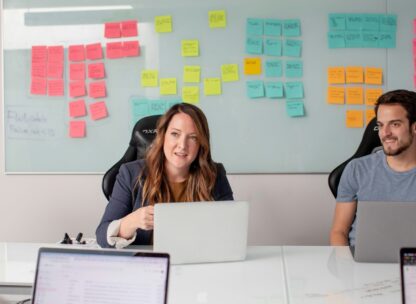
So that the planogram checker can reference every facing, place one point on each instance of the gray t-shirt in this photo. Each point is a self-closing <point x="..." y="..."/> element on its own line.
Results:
<point x="370" y="178"/>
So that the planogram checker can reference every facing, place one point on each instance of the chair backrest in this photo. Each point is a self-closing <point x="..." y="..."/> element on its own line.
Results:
<point x="369" y="142"/>
<point x="142" y="136"/>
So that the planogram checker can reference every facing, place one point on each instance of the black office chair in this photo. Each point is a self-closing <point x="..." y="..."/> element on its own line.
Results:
<point x="144" y="132"/>
<point x="369" y="142"/>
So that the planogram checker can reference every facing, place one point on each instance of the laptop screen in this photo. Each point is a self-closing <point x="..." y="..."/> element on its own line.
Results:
<point x="100" y="277"/>
<point x="408" y="264"/>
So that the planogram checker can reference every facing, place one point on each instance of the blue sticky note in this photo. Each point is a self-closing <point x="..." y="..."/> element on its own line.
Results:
<point x="371" y="22"/>
<point x="291" y="28"/>
<point x="254" y="45"/>
<point x="139" y="109"/>
<point x="387" y="40"/>
<point x="336" y="40"/>
<point x="294" y="68"/>
<point x="353" y="39"/>
<point x="254" y="27"/>
<point x="255" y="89"/>
<point x="274" y="68"/>
<point x="388" y="23"/>
<point x="336" y="22"/>
<point x="274" y="89"/>
<point x="294" y="90"/>
<point x="354" y="22"/>
<point x="157" y="107"/>
<point x="292" y="48"/>
<point x="172" y="102"/>
<point x="370" y="39"/>
<point x="295" y="108"/>
<point x="273" y="47"/>
<point x="272" y="27"/>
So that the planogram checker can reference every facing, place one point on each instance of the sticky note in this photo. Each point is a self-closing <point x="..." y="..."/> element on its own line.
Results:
<point x="292" y="48"/>
<point x="96" y="70"/>
<point x="131" y="48"/>
<point x="274" y="68"/>
<point x="272" y="27"/>
<point x="336" y="40"/>
<point x="56" y="53"/>
<point x="371" y="95"/>
<point x="167" y="86"/>
<point x="39" y="53"/>
<point x="370" y="40"/>
<point x="336" y="75"/>
<point x="76" y="53"/>
<point x="294" y="68"/>
<point x="190" y="48"/>
<point x="149" y="78"/>
<point x="252" y="66"/>
<point x="353" y="39"/>
<point x="38" y="69"/>
<point x="294" y="90"/>
<point x="414" y="26"/>
<point x="157" y="107"/>
<point x="371" y="22"/>
<point x="369" y="115"/>
<point x="112" y="30"/>
<point x="94" y="51"/>
<point x="192" y="73"/>
<point x="38" y="86"/>
<point x="163" y="24"/>
<point x="254" y="45"/>
<point x="77" y="108"/>
<point x="254" y="27"/>
<point x="77" y="88"/>
<point x="77" y="71"/>
<point x="354" y="22"/>
<point x="388" y="23"/>
<point x="98" y="110"/>
<point x="55" y="87"/>
<point x="354" y="119"/>
<point x="255" y="89"/>
<point x="77" y="128"/>
<point x="129" y="28"/>
<point x="336" y="22"/>
<point x="355" y="95"/>
<point x="212" y="86"/>
<point x="373" y="75"/>
<point x="97" y="89"/>
<point x="217" y="19"/>
<point x="114" y="50"/>
<point x="354" y="74"/>
<point x="291" y="28"/>
<point x="387" y="40"/>
<point x="274" y="89"/>
<point x="335" y="95"/>
<point x="190" y="94"/>
<point x="229" y="72"/>
<point x="55" y="70"/>
<point x="295" y="108"/>
<point x="273" y="47"/>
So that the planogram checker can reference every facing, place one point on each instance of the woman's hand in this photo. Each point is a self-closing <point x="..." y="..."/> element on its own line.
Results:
<point x="141" y="218"/>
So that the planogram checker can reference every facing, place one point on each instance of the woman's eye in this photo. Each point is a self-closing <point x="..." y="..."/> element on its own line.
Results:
<point x="174" y="134"/>
<point x="194" y="138"/>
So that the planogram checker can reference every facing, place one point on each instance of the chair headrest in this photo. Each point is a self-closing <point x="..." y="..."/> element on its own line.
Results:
<point x="143" y="133"/>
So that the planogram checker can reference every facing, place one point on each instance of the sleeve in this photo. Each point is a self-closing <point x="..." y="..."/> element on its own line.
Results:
<point x="112" y="236"/>
<point x="222" y="188"/>
<point x="348" y="184"/>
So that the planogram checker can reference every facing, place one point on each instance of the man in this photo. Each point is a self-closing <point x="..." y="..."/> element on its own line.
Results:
<point x="386" y="175"/>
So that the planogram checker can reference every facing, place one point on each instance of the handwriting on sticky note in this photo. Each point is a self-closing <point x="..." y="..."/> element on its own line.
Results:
<point x="255" y="89"/>
<point x="56" y="54"/>
<point x="167" y="86"/>
<point x="149" y="78"/>
<point x="163" y="24"/>
<point x="291" y="28"/>
<point x="97" y="89"/>
<point x="77" y="71"/>
<point x="212" y="86"/>
<point x="77" y="128"/>
<point x="254" y="26"/>
<point x="77" y="108"/>
<point x="112" y="30"/>
<point x="252" y="66"/>
<point x="96" y="70"/>
<point x="354" y="74"/>
<point x="77" y="88"/>
<point x="229" y="72"/>
<point x="274" y="89"/>
<point x="373" y="75"/>
<point x="114" y="50"/>
<point x="55" y="87"/>
<point x="371" y="95"/>
<point x="98" y="110"/>
<point x="38" y="69"/>
<point x="131" y="48"/>
<point x="76" y="53"/>
<point x="254" y="45"/>
<point x="190" y="94"/>
<point x="38" y="86"/>
<point x="294" y="68"/>
<point x="295" y="108"/>
<point x="192" y="73"/>
<point x="336" y="75"/>
<point x="94" y="51"/>
<point x="274" y="68"/>
<point x="55" y="70"/>
<point x="217" y="19"/>
<point x="355" y="95"/>
<point x="369" y="115"/>
<point x="39" y="53"/>
<point x="354" y="119"/>
<point x="335" y="95"/>
<point x="292" y="48"/>
<point x="129" y="28"/>
<point x="190" y="48"/>
<point x="294" y="90"/>
<point x="272" y="27"/>
<point x="273" y="47"/>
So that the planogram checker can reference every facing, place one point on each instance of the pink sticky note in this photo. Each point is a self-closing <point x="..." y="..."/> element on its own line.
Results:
<point x="94" y="51"/>
<point x="129" y="28"/>
<point x="76" y="53"/>
<point x="77" y="108"/>
<point x="39" y="54"/>
<point x="97" y="89"/>
<point x="114" y="50"/>
<point x="56" y="53"/>
<point x="414" y="26"/>
<point x="112" y="30"/>
<point x="38" y="69"/>
<point x="77" y="88"/>
<point x="77" y="71"/>
<point x="98" y="110"/>
<point x="77" y="128"/>
<point x="55" y="70"/>
<point x="96" y="70"/>
<point x="131" y="48"/>
<point x="55" y="87"/>
<point x="38" y="86"/>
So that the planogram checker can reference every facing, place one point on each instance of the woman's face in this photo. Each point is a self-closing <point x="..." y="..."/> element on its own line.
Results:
<point x="180" y="145"/>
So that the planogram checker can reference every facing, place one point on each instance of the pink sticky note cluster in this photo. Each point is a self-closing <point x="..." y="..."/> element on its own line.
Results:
<point x="126" y="28"/>
<point x="120" y="49"/>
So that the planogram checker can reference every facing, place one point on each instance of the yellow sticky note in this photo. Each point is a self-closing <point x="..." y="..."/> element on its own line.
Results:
<point x="354" y="119"/>
<point x="217" y="19"/>
<point x="335" y="95"/>
<point x="369" y="115"/>
<point x="373" y="75"/>
<point x="149" y="78"/>
<point x="336" y="75"/>
<point x="371" y="96"/>
<point x="163" y="24"/>
<point x="212" y="86"/>
<point x="190" y="48"/>
<point x="192" y="73"/>
<point x="190" y="94"/>
<point x="355" y="95"/>
<point x="354" y="74"/>
<point x="229" y="72"/>
<point x="252" y="66"/>
<point x="167" y="86"/>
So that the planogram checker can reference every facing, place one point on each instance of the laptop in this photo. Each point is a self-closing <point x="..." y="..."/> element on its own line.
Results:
<point x="201" y="232"/>
<point x="100" y="276"/>
<point x="382" y="229"/>
<point x="408" y="274"/>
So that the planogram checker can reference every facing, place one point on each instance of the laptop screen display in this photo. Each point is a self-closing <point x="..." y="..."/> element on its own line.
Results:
<point x="409" y="277"/>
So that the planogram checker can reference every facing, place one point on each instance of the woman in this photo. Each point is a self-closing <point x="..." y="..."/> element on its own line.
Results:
<point x="178" y="168"/>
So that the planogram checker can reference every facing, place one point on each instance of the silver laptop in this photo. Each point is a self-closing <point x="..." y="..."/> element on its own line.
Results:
<point x="382" y="229"/>
<point x="100" y="276"/>
<point x="408" y="275"/>
<point x="201" y="232"/>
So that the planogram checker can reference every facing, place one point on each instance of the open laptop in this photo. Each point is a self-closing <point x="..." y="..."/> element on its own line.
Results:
<point x="408" y="274"/>
<point x="382" y="229"/>
<point x="201" y="232"/>
<point x="100" y="276"/>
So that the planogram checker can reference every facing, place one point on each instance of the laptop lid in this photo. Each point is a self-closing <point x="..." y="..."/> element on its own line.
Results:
<point x="100" y="276"/>
<point x="201" y="232"/>
<point x="382" y="229"/>
<point x="408" y="275"/>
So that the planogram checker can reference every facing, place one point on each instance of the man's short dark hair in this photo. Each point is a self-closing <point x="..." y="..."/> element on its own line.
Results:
<point x="405" y="98"/>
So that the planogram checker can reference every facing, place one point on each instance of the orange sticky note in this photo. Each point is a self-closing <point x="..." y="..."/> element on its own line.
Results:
<point x="56" y="53"/>
<point x="369" y="115"/>
<point x="355" y="95"/>
<point x="336" y="75"/>
<point x="131" y="48"/>
<point x="114" y="50"/>
<point x="77" y="108"/>
<point x="373" y="75"/>
<point x="77" y="128"/>
<point x="98" y="110"/>
<point x="129" y="28"/>
<point x="38" y="86"/>
<point x="94" y="51"/>
<point x="55" y="87"/>
<point x="354" y="119"/>
<point x="97" y="89"/>
<point x="76" y="88"/>
<point x="335" y="95"/>
<point x="96" y="70"/>
<point x="76" y="53"/>
<point x="112" y="30"/>
<point x="39" y="54"/>
<point x="252" y="66"/>
<point x="354" y="74"/>
<point x="55" y="70"/>
<point x="371" y="96"/>
<point x="77" y="71"/>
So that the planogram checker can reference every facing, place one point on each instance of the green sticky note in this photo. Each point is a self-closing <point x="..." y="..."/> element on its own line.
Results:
<point x="255" y="89"/>
<point x="294" y="90"/>
<point x="212" y="86"/>
<point x="229" y="72"/>
<point x="370" y="39"/>
<point x="336" y="40"/>
<point x="190" y="48"/>
<point x="353" y="39"/>
<point x="254" y="27"/>
<point x="217" y="19"/>
<point x="157" y="107"/>
<point x="292" y="48"/>
<point x="274" y="68"/>
<point x="354" y="22"/>
<point x="371" y="22"/>
<point x="163" y="24"/>
<point x="274" y="89"/>
<point x="294" y="68"/>
<point x="149" y="78"/>
<point x="336" y="22"/>
<point x="295" y="108"/>
<point x="387" y="40"/>
<point x="272" y="27"/>
<point x="254" y="45"/>
<point x="167" y="86"/>
<point x="192" y="73"/>
<point x="291" y="28"/>
<point x="388" y="23"/>
<point x="273" y="47"/>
